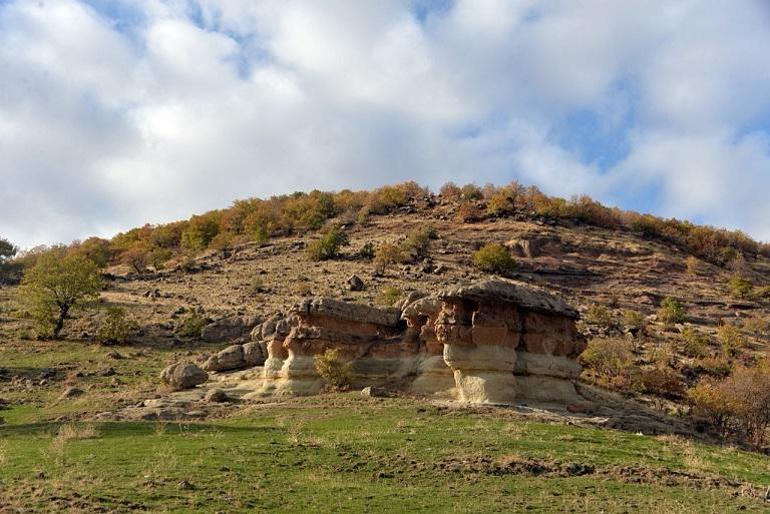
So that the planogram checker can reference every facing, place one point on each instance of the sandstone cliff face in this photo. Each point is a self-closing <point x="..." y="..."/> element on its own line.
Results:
<point x="492" y="342"/>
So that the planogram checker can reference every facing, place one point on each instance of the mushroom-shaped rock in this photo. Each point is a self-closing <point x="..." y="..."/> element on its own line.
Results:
<point x="487" y="327"/>
<point x="183" y="375"/>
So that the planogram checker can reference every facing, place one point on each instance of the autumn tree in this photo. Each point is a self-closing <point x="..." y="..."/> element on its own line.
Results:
<point x="56" y="284"/>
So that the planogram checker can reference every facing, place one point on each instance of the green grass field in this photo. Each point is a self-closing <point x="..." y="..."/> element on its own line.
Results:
<point x="340" y="453"/>
<point x="348" y="454"/>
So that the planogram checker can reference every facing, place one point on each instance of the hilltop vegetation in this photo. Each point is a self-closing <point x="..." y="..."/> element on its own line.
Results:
<point x="259" y="220"/>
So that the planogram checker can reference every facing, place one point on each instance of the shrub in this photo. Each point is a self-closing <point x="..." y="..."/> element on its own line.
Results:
<point x="334" y="371"/>
<point x="389" y="296"/>
<point x="738" y="405"/>
<point x="416" y="246"/>
<point x="471" y="192"/>
<point x="387" y="254"/>
<point x="450" y="191"/>
<point x="660" y="381"/>
<point x="328" y="247"/>
<point x="116" y="327"/>
<point x="694" y="265"/>
<point x="671" y="312"/>
<point x="191" y="326"/>
<point x="137" y="256"/>
<point x="636" y="321"/>
<point x="494" y="258"/>
<point x="257" y="286"/>
<point x="609" y="357"/>
<point x="468" y="212"/>
<point x="598" y="314"/>
<point x="731" y="339"/>
<point x="757" y="326"/>
<point x="695" y="343"/>
<point x="56" y="285"/>
<point x="366" y="252"/>
<point x="714" y="366"/>
<point x="740" y="287"/>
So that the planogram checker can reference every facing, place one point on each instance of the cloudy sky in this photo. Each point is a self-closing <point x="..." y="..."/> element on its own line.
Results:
<point x="114" y="113"/>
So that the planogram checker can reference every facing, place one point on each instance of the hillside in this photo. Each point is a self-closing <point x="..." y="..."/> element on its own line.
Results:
<point x="617" y="276"/>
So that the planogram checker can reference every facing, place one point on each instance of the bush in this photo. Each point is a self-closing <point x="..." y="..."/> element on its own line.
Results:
<point x="738" y="405"/>
<point x="695" y="343"/>
<point x="450" y="191"/>
<point x="366" y="252"/>
<point x="467" y="212"/>
<point x="609" y="358"/>
<point x="416" y="246"/>
<point x="191" y="326"/>
<point x="740" y="287"/>
<point x="56" y="285"/>
<point x="731" y="339"/>
<point x="389" y="296"/>
<point x="597" y="314"/>
<point x="660" y="381"/>
<point x="328" y="247"/>
<point x="636" y="321"/>
<point x="387" y="255"/>
<point x="334" y="371"/>
<point x="714" y="366"/>
<point x="116" y="327"/>
<point x="671" y="312"/>
<point x="494" y="258"/>
<point x="694" y="265"/>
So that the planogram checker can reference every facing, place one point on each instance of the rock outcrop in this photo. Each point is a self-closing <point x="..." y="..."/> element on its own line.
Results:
<point x="491" y="342"/>
<point x="507" y="341"/>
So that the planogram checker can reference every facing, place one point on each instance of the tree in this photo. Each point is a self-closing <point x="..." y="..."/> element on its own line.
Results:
<point x="55" y="285"/>
<point x="328" y="247"/>
<point x="7" y="252"/>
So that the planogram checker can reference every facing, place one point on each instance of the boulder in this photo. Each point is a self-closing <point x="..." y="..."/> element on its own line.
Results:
<point x="228" y="359"/>
<point x="254" y="354"/>
<point x="216" y="396"/>
<point x="374" y="392"/>
<point x="183" y="375"/>
<point x="355" y="283"/>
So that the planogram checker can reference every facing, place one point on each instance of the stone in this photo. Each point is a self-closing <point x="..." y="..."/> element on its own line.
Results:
<point x="254" y="354"/>
<point x="355" y="283"/>
<point x="71" y="392"/>
<point x="374" y="392"/>
<point x="217" y="396"/>
<point x="228" y="359"/>
<point x="183" y="375"/>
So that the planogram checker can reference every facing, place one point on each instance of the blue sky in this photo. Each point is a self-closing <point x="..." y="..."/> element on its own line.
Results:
<point x="114" y="113"/>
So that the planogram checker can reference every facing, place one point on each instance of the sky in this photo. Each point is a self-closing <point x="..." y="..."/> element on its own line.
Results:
<point x="117" y="113"/>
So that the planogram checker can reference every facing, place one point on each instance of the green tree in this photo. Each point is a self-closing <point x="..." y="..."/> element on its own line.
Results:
<point x="328" y="247"/>
<point x="7" y="252"/>
<point x="55" y="285"/>
<point x="200" y="232"/>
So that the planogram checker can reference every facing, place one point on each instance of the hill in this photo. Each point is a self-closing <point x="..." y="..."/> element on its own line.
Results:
<point x="623" y="271"/>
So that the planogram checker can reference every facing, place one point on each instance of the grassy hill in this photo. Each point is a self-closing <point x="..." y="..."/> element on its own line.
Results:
<point x="345" y="453"/>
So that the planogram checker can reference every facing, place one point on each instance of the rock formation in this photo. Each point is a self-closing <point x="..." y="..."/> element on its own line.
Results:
<point x="491" y="342"/>
<point x="506" y="341"/>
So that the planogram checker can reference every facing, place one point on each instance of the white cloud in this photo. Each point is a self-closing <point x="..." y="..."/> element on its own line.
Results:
<point x="151" y="110"/>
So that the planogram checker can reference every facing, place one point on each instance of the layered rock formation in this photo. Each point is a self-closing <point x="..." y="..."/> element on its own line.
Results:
<point x="506" y="341"/>
<point x="492" y="342"/>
